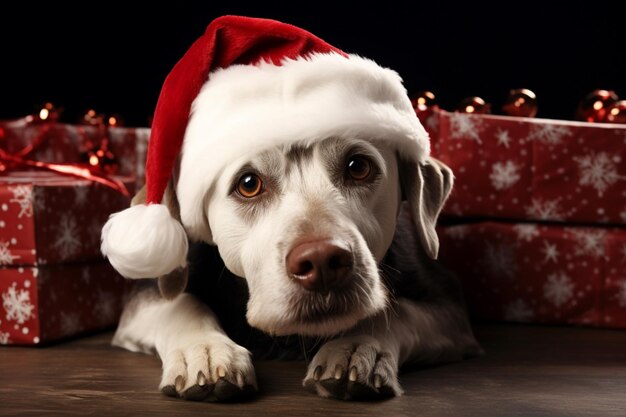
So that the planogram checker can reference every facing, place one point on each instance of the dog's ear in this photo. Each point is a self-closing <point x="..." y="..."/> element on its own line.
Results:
<point x="175" y="282"/>
<point x="426" y="187"/>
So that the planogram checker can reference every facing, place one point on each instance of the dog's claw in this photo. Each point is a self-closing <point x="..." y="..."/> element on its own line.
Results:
<point x="317" y="374"/>
<point x="201" y="379"/>
<point x="179" y="383"/>
<point x="240" y="380"/>
<point x="338" y="372"/>
<point x="221" y="372"/>
<point x="353" y="374"/>
<point x="378" y="381"/>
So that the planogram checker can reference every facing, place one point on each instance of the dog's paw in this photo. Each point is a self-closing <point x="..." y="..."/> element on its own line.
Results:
<point x="353" y="368"/>
<point x="214" y="369"/>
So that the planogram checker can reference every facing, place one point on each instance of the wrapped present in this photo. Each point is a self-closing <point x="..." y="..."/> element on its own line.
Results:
<point x="63" y="143"/>
<point x="533" y="169"/>
<point x="543" y="273"/>
<point x="46" y="218"/>
<point x="46" y="303"/>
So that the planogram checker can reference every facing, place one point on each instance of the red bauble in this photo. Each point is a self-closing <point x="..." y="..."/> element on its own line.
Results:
<point x="92" y="118"/>
<point x="593" y="108"/>
<point x="102" y="160"/>
<point x="47" y="113"/>
<point x="475" y="105"/>
<point x="616" y="112"/>
<point x="424" y="100"/>
<point x="520" y="103"/>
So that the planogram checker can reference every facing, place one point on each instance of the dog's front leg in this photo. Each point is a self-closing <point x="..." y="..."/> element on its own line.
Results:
<point x="363" y="364"/>
<point x="199" y="361"/>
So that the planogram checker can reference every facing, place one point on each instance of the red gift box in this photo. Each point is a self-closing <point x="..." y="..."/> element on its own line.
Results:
<point x="540" y="273"/>
<point x="46" y="218"/>
<point x="43" y="304"/>
<point x="532" y="169"/>
<point x="63" y="143"/>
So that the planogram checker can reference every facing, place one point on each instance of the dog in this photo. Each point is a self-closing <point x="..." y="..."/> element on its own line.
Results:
<point x="323" y="250"/>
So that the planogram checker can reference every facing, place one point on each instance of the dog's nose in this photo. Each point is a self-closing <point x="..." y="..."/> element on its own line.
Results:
<point x="319" y="265"/>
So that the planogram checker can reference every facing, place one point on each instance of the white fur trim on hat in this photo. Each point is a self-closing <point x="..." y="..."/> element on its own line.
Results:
<point x="144" y="241"/>
<point x="244" y="109"/>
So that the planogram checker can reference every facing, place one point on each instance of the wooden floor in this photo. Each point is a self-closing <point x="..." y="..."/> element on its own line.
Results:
<point x="527" y="371"/>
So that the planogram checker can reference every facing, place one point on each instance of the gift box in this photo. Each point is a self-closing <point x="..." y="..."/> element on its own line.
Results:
<point x="64" y="143"/>
<point x="532" y="169"/>
<point x="47" y="303"/>
<point x="542" y="273"/>
<point x="46" y="218"/>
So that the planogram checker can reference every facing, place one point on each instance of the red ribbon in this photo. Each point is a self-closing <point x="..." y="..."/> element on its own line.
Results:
<point x="77" y="170"/>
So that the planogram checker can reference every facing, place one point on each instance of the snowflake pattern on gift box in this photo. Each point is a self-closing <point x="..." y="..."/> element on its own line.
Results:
<point x="17" y="304"/>
<point x="500" y="260"/>
<point x="23" y="196"/>
<point x="598" y="171"/>
<point x="4" y="338"/>
<point x="39" y="199"/>
<point x="465" y="126"/>
<point x="548" y="134"/>
<point x="550" y="251"/>
<point x="67" y="242"/>
<point x="504" y="175"/>
<point x="503" y="137"/>
<point x="518" y="311"/>
<point x="526" y="232"/>
<point x="589" y="242"/>
<point x="558" y="289"/>
<point x="104" y="308"/>
<point x="81" y="192"/>
<point x="6" y="257"/>
<point x="70" y="323"/>
<point x="545" y="209"/>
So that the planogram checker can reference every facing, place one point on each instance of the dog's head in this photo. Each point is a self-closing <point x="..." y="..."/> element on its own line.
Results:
<point x="306" y="226"/>
<point x="286" y="159"/>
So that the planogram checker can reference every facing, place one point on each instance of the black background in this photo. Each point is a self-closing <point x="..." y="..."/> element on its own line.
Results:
<point x="113" y="58"/>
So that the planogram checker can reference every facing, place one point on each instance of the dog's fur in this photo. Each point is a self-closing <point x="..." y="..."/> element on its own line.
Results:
<point x="398" y="307"/>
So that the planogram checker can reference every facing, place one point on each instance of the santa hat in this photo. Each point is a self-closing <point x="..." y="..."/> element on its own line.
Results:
<point x="245" y="85"/>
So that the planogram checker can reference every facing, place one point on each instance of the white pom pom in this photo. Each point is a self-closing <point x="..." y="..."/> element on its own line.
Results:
<point x="144" y="241"/>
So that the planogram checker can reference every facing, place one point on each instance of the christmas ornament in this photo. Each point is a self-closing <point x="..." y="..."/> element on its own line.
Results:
<point x="99" y="163"/>
<point x="594" y="106"/>
<point x="115" y="120"/>
<point x="616" y="112"/>
<point x="102" y="159"/>
<point x="280" y="74"/>
<point x="520" y="103"/>
<point x="424" y="100"/>
<point x="99" y="157"/>
<point x="48" y="113"/>
<point x="475" y="105"/>
<point x="92" y="118"/>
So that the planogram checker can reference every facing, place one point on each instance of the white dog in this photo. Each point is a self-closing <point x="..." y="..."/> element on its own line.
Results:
<point x="316" y="242"/>
<point x="300" y="175"/>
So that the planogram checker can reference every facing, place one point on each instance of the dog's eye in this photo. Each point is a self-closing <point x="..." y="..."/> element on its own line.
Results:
<point x="249" y="185"/>
<point x="359" y="168"/>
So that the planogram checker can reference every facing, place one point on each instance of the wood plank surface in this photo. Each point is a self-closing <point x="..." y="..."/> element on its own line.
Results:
<point x="527" y="371"/>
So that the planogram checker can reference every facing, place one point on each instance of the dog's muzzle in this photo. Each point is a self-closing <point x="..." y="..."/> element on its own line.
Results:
<point x="319" y="265"/>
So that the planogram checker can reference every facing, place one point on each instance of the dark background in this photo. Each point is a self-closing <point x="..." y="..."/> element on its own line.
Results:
<point x="107" y="56"/>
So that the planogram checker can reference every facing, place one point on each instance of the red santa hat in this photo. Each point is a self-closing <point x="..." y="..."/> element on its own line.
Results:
<point x="245" y="85"/>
